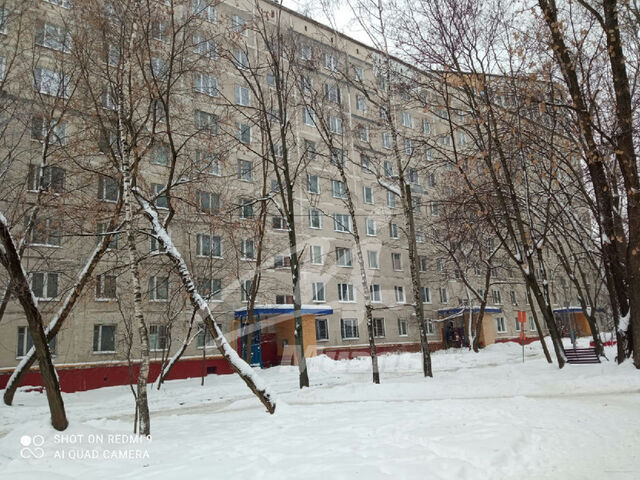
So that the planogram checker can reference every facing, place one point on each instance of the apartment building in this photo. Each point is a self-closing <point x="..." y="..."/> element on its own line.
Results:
<point x="216" y="209"/>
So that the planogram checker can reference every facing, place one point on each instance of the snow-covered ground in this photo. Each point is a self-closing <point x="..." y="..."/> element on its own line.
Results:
<point x="483" y="416"/>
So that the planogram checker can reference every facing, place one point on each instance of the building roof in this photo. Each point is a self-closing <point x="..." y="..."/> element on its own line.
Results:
<point x="284" y="309"/>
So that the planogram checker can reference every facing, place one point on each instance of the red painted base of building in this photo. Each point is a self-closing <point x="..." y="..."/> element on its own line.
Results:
<point x="80" y="378"/>
<point x="527" y="340"/>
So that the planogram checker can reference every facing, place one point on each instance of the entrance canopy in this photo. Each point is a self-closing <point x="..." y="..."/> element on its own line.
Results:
<point x="284" y="309"/>
<point x="454" y="312"/>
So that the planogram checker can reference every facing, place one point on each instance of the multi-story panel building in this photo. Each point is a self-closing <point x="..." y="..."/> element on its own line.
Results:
<point x="59" y="133"/>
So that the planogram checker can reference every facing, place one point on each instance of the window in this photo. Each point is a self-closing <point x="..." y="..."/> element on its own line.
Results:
<point x="532" y="324"/>
<point x="204" y="338"/>
<point x="378" y="327"/>
<point x="104" y="338"/>
<point x="159" y="155"/>
<point x="344" y="257"/>
<point x="361" y="103"/>
<point x="341" y="222"/>
<point x="338" y="189"/>
<point x="206" y="122"/>
<point x="372" y="257"/>
<point x="363" y="133"/>
<point x="330" y="62"/>
<point x="46" y="231"/>
<point x="204" y="46"/>
<point x="284" y="299"/>
<point x="45" y="285"/>
<point x="208" y="245"/>
<point x="315" y="218"/>
<point x="53" y="36"/>
<point x="158" y="288"/>
<point x="500" y="325"/>
<point x="239" y="25"/>
<point x="49" y="82"/>
<point x="246" y="208"/>
<point x="3" y="20"/>
<point x="375" y="292"/>
<point x="106" y="287"/>
<point x="332" y="93"/>
<point x="101" y="229"/>
<point x="305" y="52"/>
<point x="25" y="342"/>
<point x="318" y="291"/>
<point x="386" y="140"/>
<point x="210" y="289"/>
<point x="337" y="156"/>
<point x="306" y="85"/>
<point x="431" y="180"/>
<point x="413" y="176"/>
<point x="396" y="261"/>
<point x="203" y="83"/>
<point x="279" y="223"/>
<point x="247" y="249"/>
<point x="309" y="150"/>
<point x="514" y="298"/>
<point x="52" y="179"/>
<point x="61" y="3"/>
<point x="407" y="120"/>
<point x="462" y="138"/>
<point x="240" y="59"/>
<point x="245" y="170"/>
<point x="345" y="292"/>
<point x="391" y="199"/>
<point x="399" y="291"/>
<point x="322" y="329"/>
<point x="423" y="263"/>
<point x="208" y="202"/>
<point x="203" y="9"/>
<point x="440" y="265"/>
<point x="444" y="295"/>
<point x="426" y="295"/>
<point x="421" y="237"/>
<point x="244" y="133"/>
<point x="349" y="328"/>
<point x="158" y="337"/>
<point x="402" y="327"/>
<point x="242" y="96"/>
<point x="393" y="230"/>
<point x="245" y="290"/>
<point x="367" y="195"/>
<point x="282" y="261"/>
<point x="335" y="125"/>
<point x="358" y="73"/>
<point x="517" y="324"/>
<point x="160" y="31"/>
<point x="497" y="297"/>
<point x="435" y="209"/>
<point x="209" y="163"/>
<point x="313" y="184"/>
<point x="316" y="255"/>
<point x="365" y="162"/>
<point x="158" y="67"/>
<point x="308" y="117"/>
<point x="426" y="127"/>
<point x="428" y="155"/>
<point x="370" y="224"/>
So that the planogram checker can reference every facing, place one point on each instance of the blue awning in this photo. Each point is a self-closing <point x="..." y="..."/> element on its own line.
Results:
<point x="284" y="310"/>
<point x="568" y="310"/>
<point x="460" y="310"/>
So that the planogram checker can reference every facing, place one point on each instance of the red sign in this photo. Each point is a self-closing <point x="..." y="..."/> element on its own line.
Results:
<point x="522" y="317"/>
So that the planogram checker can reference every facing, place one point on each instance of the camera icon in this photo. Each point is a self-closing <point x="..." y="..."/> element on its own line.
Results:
<point x="31" y="446"/>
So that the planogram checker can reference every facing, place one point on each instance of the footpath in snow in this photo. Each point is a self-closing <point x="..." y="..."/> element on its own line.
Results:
<point x="483" y="416"/>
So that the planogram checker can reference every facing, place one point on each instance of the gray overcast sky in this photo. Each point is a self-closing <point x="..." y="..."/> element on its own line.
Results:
<point x="345" y="21"/>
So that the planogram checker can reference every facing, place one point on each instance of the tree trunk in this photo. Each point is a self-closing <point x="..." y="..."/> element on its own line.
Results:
<point x="23" y="292"/>
<point x="143" y="373"/>
<point x="407" y="204"/>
